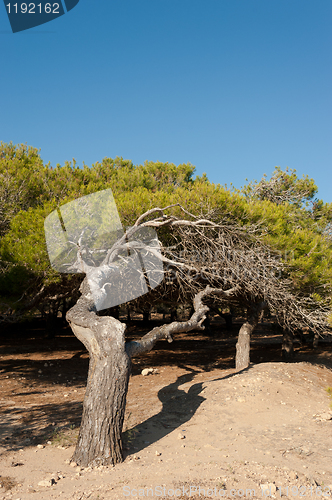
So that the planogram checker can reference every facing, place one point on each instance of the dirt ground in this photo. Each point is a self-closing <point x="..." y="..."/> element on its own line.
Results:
<point x="193" y="428"/>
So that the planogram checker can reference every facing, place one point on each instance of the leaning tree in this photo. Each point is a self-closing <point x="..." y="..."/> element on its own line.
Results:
<point x="206" y="258"/>
<point x="226" y="256"/>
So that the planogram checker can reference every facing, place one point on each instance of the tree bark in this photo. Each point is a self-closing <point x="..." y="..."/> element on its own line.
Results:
<point x="99" y="441"/>
<point x="316" y="340"/>
<point x="287" y="345"/>
<point x="242" y="358"/>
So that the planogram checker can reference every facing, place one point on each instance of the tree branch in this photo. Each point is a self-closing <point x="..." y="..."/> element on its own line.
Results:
<point x="147" y="342"/>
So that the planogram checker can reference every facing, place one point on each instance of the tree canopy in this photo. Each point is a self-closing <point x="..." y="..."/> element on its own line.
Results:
<point x="288" y="220"/>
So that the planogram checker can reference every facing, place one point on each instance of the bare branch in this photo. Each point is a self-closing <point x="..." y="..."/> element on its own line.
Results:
<point x="147" y="342"/>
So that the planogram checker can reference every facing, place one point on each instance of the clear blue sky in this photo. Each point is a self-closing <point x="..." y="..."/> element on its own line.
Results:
<point x="234" y="87"/>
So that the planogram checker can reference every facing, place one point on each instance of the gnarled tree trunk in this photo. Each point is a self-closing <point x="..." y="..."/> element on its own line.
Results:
<point x="242" y="358"/>
<point x="99" y="441"/>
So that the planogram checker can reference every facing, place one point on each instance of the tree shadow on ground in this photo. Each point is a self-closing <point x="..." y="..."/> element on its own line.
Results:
<point x="55" y="422"/>
<point x="178" y="408"/>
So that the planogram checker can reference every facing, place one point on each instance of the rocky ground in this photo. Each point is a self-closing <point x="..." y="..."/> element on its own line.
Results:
<point x="193" y="427"/>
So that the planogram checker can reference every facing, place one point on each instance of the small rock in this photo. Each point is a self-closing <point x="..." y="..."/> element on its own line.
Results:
<point x="273" y="488"/>
<point x="181" y="436"/>
<point x="326" y="416"/>
<point x="158" y="453"/>
<point x="269" y="488"/>
<point x="45" y="364"/>
<point x="46" y="482"/>
<point x="67" y="461"/>
<point x="78" y="469"/>
<point x="49" y="442"/>
<point x="40" y="371"/>
<point x="73" y="464"/>
<point x="40" y="446"/>
<point x="147" y="371"/>
<point x="292" y="475"/>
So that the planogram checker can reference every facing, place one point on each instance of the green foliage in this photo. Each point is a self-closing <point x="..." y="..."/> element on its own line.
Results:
<point x="297" y="227"/>
<point x="25" y="242"/>
<point x="287" y="219"/>
<point x="283" y="187"/>
<point x="21" y="181"/>
<point x="29" y="191"/>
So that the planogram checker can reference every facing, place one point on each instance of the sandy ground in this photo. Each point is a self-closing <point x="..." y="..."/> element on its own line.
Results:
<point x="189" y="432"/>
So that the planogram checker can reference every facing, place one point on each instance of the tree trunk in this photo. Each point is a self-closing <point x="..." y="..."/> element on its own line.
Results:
<point x="207" y="324"/>
<point x="64" y="310"/>
<point x="146" y="316"/>
<point x="128" y="314"/>
<point x="242" y="358"/>
<point x="315" y="341"/>
<point x="229" y="320"/>
<point x="99" y="441"/>
<point x="174" y="314"/>
<point x="287" y="345"/>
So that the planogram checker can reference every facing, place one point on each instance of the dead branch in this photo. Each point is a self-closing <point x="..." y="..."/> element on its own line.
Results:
<point x="166" y="331"/>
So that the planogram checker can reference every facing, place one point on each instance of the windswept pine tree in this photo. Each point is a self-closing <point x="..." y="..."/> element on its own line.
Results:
<point x="262" y="249"/>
